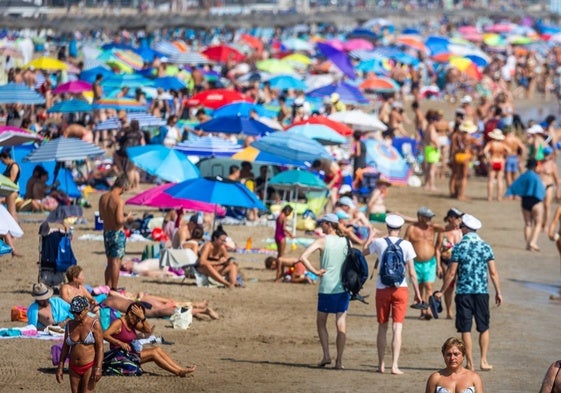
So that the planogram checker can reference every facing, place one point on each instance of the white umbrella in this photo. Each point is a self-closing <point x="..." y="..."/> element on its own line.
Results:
<point x="8" y="225"/>
<point x="359" y="119"/>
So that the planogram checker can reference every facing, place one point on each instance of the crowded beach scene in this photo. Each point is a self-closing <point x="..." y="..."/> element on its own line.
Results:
<point x="280" y="197"/>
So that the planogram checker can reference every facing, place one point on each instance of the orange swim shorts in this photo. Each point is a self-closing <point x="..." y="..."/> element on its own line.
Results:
<point x="391" y="301"/>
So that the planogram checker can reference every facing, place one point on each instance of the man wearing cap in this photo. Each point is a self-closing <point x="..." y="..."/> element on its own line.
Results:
<point x="356" y="217"/>
<point x="472" y="261"/>
<point x="47" y="310"/>
<point x="421" y="234"/>
<point x="392" y="300"/>
<point x="496" y="153"/>
<point x="332" y="297"/>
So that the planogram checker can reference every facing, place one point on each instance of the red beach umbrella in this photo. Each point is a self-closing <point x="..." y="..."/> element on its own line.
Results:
<point x="216" y="98"/>
<point x="334" y="125"/>
<point x="223" y="53"/>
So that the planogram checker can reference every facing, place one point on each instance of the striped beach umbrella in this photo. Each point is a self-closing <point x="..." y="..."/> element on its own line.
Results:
<point x="70" y="106"/>
<point x="18" y="93"/>
<point x="144" y="120"/>
<point x="64" y="149"/>
<point x="14" y="136"/>
<point x="120" y="104"/>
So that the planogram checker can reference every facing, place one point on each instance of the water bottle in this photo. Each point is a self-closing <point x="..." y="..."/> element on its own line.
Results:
<point x="248" y="244"/>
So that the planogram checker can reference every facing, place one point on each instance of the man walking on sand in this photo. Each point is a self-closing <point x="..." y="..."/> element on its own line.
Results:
<point x="472" y="260"/>
<point x="111" y="211"/>
<point x="392" y="300"/>
<point x="422" y="236"/>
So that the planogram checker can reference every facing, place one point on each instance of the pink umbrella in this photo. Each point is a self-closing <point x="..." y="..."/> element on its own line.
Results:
<point x="156" y="197"/>
<point x="468" y="29"/>
<point x="13" y="136"/>
<point x="336" y="43"/>
<point x="73" y="87"/>
<point x="358" y="43"/>
<point x="473" y="37"/>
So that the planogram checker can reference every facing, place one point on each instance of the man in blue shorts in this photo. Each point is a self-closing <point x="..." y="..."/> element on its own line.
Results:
<point x="472" y="260"/>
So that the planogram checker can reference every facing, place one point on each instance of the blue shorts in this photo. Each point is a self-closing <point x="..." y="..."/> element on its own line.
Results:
<point x="426" y="271"/>
<point x="114" y="242"/>
<point x="511" y="164"/>
<point x="333" y="303"/>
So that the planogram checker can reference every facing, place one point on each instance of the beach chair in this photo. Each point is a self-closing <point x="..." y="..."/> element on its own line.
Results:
<point x="55" y="254"/>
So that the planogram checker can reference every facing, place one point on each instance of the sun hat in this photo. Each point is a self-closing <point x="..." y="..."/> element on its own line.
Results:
<point x="466" y="100"/>
<point x="329" y="217"/>
<point x="496" y="134"/>
<point x="394" y="221"/>
<point x="41" y="291"/>
<point x="535" y="129"/>
<point x="383" y="180"/>
<point x="471" y="222"/>
<point x="425" y="212"/>
<point x="78" y="304"/>
<point x="346" y="201"/>
<point x="453" y="212"/>
<point x="468" y="126"/>
<point x="345" y="189"/>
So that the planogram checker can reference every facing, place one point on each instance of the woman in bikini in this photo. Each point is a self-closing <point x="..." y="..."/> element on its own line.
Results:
<point x="454" y="378"/>
<point x="496" y="152"/>
<point x="215" y="262"/>
<point x="550" y="177"/>
<point x="121" y="334"/>
<point x="83" y="341"/>
<point x="280" y="237"/>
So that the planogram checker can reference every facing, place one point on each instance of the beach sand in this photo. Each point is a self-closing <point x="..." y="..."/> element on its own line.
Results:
<point x="266" y="340"/>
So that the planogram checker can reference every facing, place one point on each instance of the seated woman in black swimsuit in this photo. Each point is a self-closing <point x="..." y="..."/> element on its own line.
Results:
<point x="215" y="262"/>
<point x="83" y="339"/>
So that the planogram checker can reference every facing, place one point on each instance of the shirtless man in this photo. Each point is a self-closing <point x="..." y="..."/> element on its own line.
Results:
<point x="422" y="235"/>
<point x="111" y="211"/>
<point x="443" y="129"/>
<point x="496" y="152"/>
<point x="432" y="152"/>
<point x="517" y="150"/>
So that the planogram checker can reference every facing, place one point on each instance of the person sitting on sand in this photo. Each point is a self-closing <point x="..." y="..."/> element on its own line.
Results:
<point x="454" y="377"/>
<point x="75" y="287"/>
<point x="295" y="270"/>
<point x="121" y="335"/>
<point x="47" y="310"/>
<point x="215" y="262"/>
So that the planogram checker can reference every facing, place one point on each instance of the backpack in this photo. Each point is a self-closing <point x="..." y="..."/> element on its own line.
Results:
<point x="392" y="269"/>
<point x="354" y="273"/>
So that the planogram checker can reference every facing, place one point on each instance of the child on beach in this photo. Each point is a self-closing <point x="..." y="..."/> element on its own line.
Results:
<point x="281" y="232"/>
<point x="295" y="270"/>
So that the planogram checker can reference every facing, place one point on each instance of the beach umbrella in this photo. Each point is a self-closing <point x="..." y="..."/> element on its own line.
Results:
<point x="322" y="134"/>
<point x="147" y="54"/>
<point x="252" y="154"/>
<point x="275" y="66"/>
<point x="347" y="93"/>
<point x="297" y="59"/>
<point x="223" y="53"/>
<point x="73" y="87"/>
<point x="363" y="33"/>
<point x="130" y="58"/>
<point x="7" y="186"/>
<point x="8" y="225"/>
<point x="292" y="147"/>
<point x="90" y="74"/>
<point x="125" y="104"/>
<point x="210" y="146"/>
<point x="215" y="98"/>
<point x="169" y="83"/>
<point x="235" y="125"/>
<point x="285" y="82"/>
<point x="297" y="45"/>
<point x="379" y="84"/>
<point x="163" y="162"/>
<point x="387" y="160"/>
<point x="339" y="58"/>
<point x="216" y="191"/>
<point x="357" y="44"/>
<point x="13" y="136"/>
<point x="129" y="80"/>
<point x="18" y="93"/>
<point x="359" y="119"/>
<point x="243" y="108"/>
<point x="374" y="65"/>
<point x="336" y="126"/>
<point x="412" y="41"/>
<point x="70" y="106"/>
<point x="116" y="45"/>
<point x="157" y="197"/>
<point x="47" y="63"/>
<point x="188" y="58"/>
<point x="144" y="120"/>
<point x="298" y="179"/>
<point x="466" y="66"/>
<point x="63" y="149"/>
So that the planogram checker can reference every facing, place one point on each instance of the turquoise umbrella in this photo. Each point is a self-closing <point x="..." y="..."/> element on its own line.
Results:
<point x="70" y="106"/>
<point x="161" y="161"/>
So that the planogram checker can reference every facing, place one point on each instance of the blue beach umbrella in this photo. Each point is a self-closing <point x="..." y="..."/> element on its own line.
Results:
<point x="144" y="120"/>
<point x="235" y="125"/>
<point x="319" y="132"/>
<point x="284" y="82"/>
<point x="339" y="58"/>
<point x="387" y="160"/>
<point x="129" y="80"/>
<point x="208" y="147"/>
<point x="90" y="74"/>
<point x="18" y="93"/>
<point x="168" y="83"/>
<point x="64" y="149"/>
<point x="163" y="162"/>
<point x="347" y="93"/>
<point x="70" y="106"/>
<point x="243" y="108"/>
<point x="148" y="54"/>
<point x="298" y="179"/>
<point x="217" y="191"/>
<point x="291" y="146"/>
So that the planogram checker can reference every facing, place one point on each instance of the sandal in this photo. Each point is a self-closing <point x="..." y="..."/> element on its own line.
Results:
<point x="420" y="306"/>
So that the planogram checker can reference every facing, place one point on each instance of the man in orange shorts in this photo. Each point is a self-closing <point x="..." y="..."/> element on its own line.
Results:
<point x="392" y="300"/>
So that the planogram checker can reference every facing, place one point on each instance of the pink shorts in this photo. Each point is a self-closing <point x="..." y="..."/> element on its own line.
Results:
<point x="391" y="301"/>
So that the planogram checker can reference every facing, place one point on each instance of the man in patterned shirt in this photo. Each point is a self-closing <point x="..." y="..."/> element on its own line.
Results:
<point x="471" y="259"/>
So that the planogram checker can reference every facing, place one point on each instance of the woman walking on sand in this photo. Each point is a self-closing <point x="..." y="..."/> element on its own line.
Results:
<point x="280" y="237"/>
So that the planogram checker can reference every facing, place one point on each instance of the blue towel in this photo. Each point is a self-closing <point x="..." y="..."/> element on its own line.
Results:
<point x="528" y="184"/>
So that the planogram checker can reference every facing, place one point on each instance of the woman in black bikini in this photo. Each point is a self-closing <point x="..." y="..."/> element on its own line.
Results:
<point x="83" y="335"/>
<point x="215" y="262"/>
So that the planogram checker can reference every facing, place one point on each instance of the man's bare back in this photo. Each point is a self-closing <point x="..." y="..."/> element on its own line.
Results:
<point x="111" y="208"/>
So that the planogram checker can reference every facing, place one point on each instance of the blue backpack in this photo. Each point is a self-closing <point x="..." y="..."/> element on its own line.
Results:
<point x="354" y="273"/>
<point x="392" y="268"/>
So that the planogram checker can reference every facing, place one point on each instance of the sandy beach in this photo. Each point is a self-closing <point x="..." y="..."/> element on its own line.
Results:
<point x="266" y="340"/>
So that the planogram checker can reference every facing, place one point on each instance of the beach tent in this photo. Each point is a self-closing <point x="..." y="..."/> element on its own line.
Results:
<point x="387" y="160"/>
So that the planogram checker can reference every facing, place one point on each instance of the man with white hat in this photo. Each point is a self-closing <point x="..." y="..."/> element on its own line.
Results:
<point x="392" y="299"/>
<point x="496" y="153"/>
<point x="47" y="310"/>
<point x="472" y="261"/>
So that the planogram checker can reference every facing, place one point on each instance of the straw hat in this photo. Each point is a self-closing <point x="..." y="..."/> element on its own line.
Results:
<point x="41" y="291"/>
<point x="383" y="181"/>
<point x="496" y="134"/>
<point x="468" y="126"/>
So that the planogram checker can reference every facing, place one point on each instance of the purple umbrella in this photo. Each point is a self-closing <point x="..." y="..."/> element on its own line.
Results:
<point x="337" y="57"/>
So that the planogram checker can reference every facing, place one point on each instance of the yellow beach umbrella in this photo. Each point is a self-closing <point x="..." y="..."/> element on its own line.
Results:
<point x="47" y="63"/>
<point x="297" y="58"/>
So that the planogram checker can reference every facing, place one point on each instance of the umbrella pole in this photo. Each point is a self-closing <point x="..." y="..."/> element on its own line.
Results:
<point x="294" y="213"/>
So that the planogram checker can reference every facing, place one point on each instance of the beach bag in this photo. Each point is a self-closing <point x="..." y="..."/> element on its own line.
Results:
<point x="4" y="248"/>
<point x="19" y="313"/>
<point x="181" y="318"/>
<point x="392" y="268"/>
<point x="56" y="351"/>
<point x="354" y="273"/>
<point x="122" y="363"/>
<point x="106" y="316"/>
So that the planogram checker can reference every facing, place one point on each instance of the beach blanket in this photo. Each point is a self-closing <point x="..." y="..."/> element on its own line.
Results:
<point x="30" y="331"/>
<point x="99" y="238"/>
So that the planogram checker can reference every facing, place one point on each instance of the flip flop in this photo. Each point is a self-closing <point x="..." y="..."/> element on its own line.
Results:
<point x="420" y="306"/>
<point x="435" y="305"/>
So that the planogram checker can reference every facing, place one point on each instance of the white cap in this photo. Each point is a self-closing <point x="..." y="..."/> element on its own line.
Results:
<point x="466" y="100"/>
<point x="346" y="201"/>
<point x="394" y="221"/>
<point x="535" y="129"/>
<point x="471" y="222"/>
<point x="345" y="189"/>
<point x="329" y="217"/>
